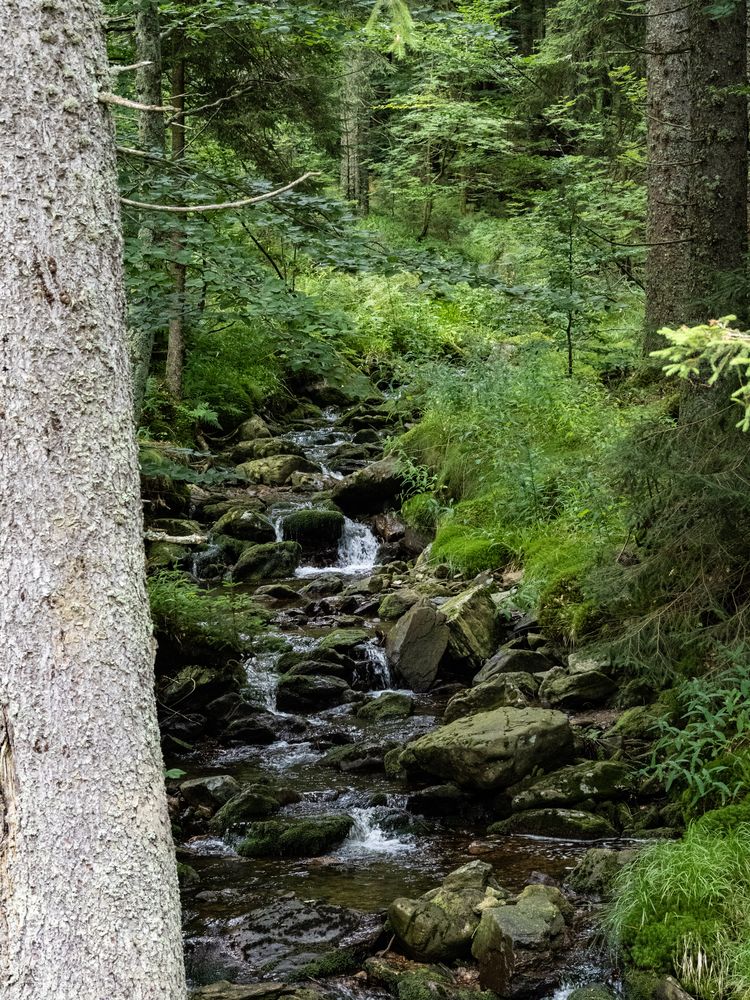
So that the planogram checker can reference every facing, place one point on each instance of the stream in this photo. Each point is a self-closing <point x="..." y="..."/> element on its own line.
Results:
<point x="249" y="920"/>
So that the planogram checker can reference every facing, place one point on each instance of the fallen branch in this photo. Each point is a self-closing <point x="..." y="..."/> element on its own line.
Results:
<point x="162" y="536"/>
<point x="123" y="102"/>
<point x="256" y="200"/>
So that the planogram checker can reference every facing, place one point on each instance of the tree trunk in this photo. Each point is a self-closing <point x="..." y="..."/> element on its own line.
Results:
<point x="176" y="342"/>
<point x="355" y="177"/>
<point x="152" y="136"/>
<point x="89" y="907"/>
<point x="718" y="61"/>
<point x="670" y="155"/>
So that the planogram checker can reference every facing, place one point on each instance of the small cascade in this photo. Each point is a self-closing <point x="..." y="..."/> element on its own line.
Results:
<point x="203" y="561"/>
<point x="358" y="550"/>
<point x="375" y="673"/>
<point x="263" y="679"/>
<point x="368" y="837"/>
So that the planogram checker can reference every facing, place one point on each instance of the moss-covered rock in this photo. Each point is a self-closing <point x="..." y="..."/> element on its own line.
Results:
<point x="597" y="870"/>
<point x="599" y="781"/>
<point x="372" y="489"/>
<point x="358" y="757"/>
<point x="315" y="530"/>
<point x="298" y="837"/>
<point x="248" y="451"/>
<point x="343" y="640"/>
<point x="512" y="661"/>
<point x="491" y="750"/>
<point x="246" y="525"/>
<point x="270" y="561"/>
<point x="163" y="555"/>
<point x="161" y="490"/>
<point x="276" y="470"/>
<point x="195" y="686"/>
<point x="253" y="428"/>
<point x="504" y="691"/>
<point x="303" y="692"/>
<point x="595" y="991"/>
<point x="392" y="705"/>
<point x="397" y="603"/>
<point x="256" y="801"/>
<point x="566" y="824"/>
<point x="212" y="791"/>
<point x="472" y="620"/>
<point x="562" y="689"/>
<point x="180" y="527"/>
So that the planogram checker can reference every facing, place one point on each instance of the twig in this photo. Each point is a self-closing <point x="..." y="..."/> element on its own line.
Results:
<point x="127" y="69"/>
<point x="256" y="200"/>
<point x="123" y="102"/>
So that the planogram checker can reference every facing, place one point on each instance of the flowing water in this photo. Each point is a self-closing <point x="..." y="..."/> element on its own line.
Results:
<point x="242" y="915"/>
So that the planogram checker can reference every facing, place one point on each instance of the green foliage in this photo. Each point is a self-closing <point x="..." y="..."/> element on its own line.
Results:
<point x="422" y="512"/>
<point x="225" y="620"/>
<point x="684" y="907"/>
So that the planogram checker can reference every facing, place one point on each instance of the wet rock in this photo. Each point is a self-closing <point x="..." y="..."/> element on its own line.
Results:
<point x="597" y="870"/>
<point x="440" y="800"/>
<point x="388" y="526"/>
<point x="315" y="530"/>
<point x="595" y="991"/>
<point x="343" y="640"/>
<point x="493" y="749"/>
<point x="416" y="645"/>
<point x="274" y="471"/>
<point x="165" y="554"/>
<point x="572" y="824"/>
<point x="181" y="527"/>
<point x="246" y="525"/>
<point x="300" y="693"/>
<point x="254" y="802"/>
<point x="278" y="592"/>
<point x="396" y="604"/>
<point x="298" y="837"/>
<point x="247" y="451"/>
<point x="195" y="686"/>
<point x="249" y="725"/>
<point x="504" y="691"/>
<point x="274" y="560"/>
<point x="472" y="621"/>
<point x="253" y="428"/>
<point x="312" y="667"/>
<point x="669" y="989"/>
<point x="323" y="586"/>
<point x="561" y="689"/>
<point x="406" y="979"/>
<point x="599" y="781"/>
<point x="359" y="757"/>
<point x="439" y="925"/>
<point x="224" y="990"/>
<point x="370" y="490"/>
<point x="387" y="706"/>
<point x="212" y="791"/>
<point x="509" y="661"/>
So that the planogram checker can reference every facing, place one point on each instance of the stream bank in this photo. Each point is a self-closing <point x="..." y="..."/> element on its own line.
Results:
<point x="398" y="743"/>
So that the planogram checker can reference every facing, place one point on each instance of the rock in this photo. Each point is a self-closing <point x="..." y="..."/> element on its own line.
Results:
<point x="638" y="726"/>
<point x="181" y="527"/>
<point x="440" y="800"/>
<point x="439" y="925"/>
<point x="597" y="869"/>
<point x="561" y="689"/>
<point x="273" y="560"/>
<point x="315" y="530"/>
<point x="302" y="692"/>
<point x="160" y="489"/>
<point x="278" y="592"/>
<point x="472" y="620"/>
<point x="254" y="802"/>
<point x="253" y="428"/>
<point x="212" y="791"/>
<point x="274" y="471"/>
<point x="602" y="781"/>
<point x="298" y="837"/>
<point x="595" y="991"/>
<point x="566" y="824"/>
<point x="510" y="661"/>
<point x="388" y="527"/>
<point x="397" y="603"/>
<point x="359" y="757"/>
<point x="392" y="705"/>
<point x="406" y="979"/>
<point x="493" y="749"/>
<point x="245" y="525"/>
<point x="669" y="989"/>
<point x="165" y="554"/>
<point x="343" y="640"/>
<point x="416" y="645"/>
<point x="224" y="990"/>
<point x="503" y="691"/>
<point x="247" y="451"/>
<point x="251" y="727"/>
<point x="195" y="686"/>
<point x="370" y="490"/>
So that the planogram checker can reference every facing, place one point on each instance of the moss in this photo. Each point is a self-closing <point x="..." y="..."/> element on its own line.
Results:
<point x="316" y="529"/>
<point x="186" y="875"/>
<point x="343" y="640"/>
<point x="295" y="838"/>
<point x="466" y="551"/>
<point x="270" y="561"/>
<point x="421" y="512"/>
<point x="717" y="822"/>
<point x="341" y="962"/>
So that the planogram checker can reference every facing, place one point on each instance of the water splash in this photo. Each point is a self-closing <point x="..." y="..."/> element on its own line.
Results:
<point x="357" y="553"/>
<point x="203" y="559"/>
<point x="263" y="679"/>
<point x="367" y="836"/>
<point x="375" y="673"/>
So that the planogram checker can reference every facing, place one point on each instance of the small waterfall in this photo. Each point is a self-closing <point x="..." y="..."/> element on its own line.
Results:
<point x="375" y="673"/>
<point x="263" y="679"/>
<point x="368" y="837"/>
<point x="358" y="550"/>
<point x="203" y="559"/>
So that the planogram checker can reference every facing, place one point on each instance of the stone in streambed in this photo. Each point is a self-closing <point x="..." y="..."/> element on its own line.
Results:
<point x="396" y="604"/>
<point x="254" y="802"/>
<point x="565" y="824"/>
<point x="596" y="871"/>
<point x="180" y="527"/>
<point x="600" y="781"/>
<point x="416" y="645"/>
<point x="252" y="428"/>
<point x="248" y="451"/>
<point x="387" y="706"/>
<point x="276" y="470"/>
<point x="343" y="640"/>
<point x="595" y="991"/>
<point x="315" y="530"/>
<point x="302" y="837"/>
<point x="441" y="800"/>
<point x="370" y="490"/>
<point x="224" y="990"/>
<point x="302" y="692"/>
<point x="213" y="791"/>
<point x="472" y="619"/>
<point x="561" y="689"/>
<point x="195" y="686"/>
<point x="512" y="661"/>
<point x="245" y="525"/>
<point x="491" y="750"/>
<point x="358" y="757"/>
<point x="504" y="691"/>
<point x="274" y="560"/>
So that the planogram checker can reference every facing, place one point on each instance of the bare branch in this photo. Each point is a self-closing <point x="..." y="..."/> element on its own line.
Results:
<point x="256" y="200"/>
<point x="123" y="102"/>
<point x="127" y="69"/>
<point x="162" y="536"/>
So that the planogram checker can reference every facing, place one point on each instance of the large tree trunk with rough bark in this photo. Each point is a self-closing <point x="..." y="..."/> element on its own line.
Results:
<point x="718" y="64"/>
<point x="152" y="137"/>
<point x="670" y="157"/>
<point x="355" y="91"/>
<point x="89" y="907"/>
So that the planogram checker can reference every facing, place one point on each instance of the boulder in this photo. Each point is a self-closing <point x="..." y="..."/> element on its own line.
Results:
<point x="315" y="530"/>
<point x="392" y="705"/>
<point x="388" y="527"/>
<point x="254" y="802"/>
<point x="561" y="689"/>
<point x="212" y="791"/>
<point x="180" y="527"/>
<point x="271" y="561"/>
<point x="252" y="428"/>
<point x="195" y="686"/>
<point x="343" y="640"/>
<point x="600" y="781"/>
<point x="511" y="661"/>
<point x="439" y="925"/>
<point x="594" y="991"/>
<point x="297" y="837"/>
<point x="565" y="824"/>
<point x="491" y="750"/>
<point x="503" y="691"/>
<point x="246" y="451"/>
<point x="397" y="603"/>
<point x="597" y="870"/>
<point x="472" y="620"/>
<point x="274" y="471"/>
<point x="416" y="645"/>
<point x="440" y="800"/>
<point x="363" y="756"/>
<point x="303" y="692"/>
<point x="370" y="490"/>
<point x="245" y="525"/>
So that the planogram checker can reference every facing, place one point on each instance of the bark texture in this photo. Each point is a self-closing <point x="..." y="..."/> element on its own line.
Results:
<point x="355" y="175"/>
<point x="88" y="893"/>
<point x="670" y="159"/>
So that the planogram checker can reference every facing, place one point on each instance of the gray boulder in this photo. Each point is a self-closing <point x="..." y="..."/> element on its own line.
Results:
<point x="370" y="490"/>
<point x="271" y="561"/>
<point x="246" y="525"/>
<point x="253" y="428"/>
<point x="212" y="791"/>
<point x="561" y="689"/>
<point x="510" y="661"/>
<point x="504" y="691"/>
<point x="416" y="645"/>
<point x="472" y="620"/>
<point x="276" y="470"/>
<point x="600" y="781"/>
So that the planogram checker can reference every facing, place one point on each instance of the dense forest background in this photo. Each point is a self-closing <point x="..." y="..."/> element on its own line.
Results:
<point x="504" y="205"/>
